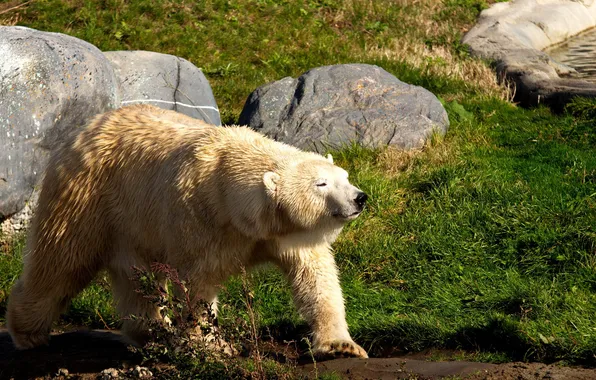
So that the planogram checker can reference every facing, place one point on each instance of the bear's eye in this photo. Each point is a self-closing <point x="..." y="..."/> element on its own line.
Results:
<point x="321" y="183"/>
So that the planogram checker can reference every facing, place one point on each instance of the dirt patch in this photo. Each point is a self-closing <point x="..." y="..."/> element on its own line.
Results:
<point x="85" y="353"/>
<point x="396" y="368"/>
<point x="401" y="368"/>
<point x="523" y="371"/>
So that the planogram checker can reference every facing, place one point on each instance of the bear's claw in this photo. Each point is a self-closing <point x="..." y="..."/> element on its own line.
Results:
<point x="340" y="348"/>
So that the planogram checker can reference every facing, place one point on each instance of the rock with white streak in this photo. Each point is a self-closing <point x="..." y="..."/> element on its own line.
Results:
<point x="164" y="81"/>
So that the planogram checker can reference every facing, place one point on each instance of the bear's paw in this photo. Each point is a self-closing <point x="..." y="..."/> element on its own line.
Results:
<point x="340" y="348"/>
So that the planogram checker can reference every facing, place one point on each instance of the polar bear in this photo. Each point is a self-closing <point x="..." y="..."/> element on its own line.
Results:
<point x="141" y="184"/>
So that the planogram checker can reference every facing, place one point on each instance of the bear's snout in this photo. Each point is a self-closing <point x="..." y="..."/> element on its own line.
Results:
<point x="361" y="199"/>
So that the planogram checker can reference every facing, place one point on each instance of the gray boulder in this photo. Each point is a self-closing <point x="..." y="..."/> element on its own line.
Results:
<point x="164" y="81"/>
<point x="50" y="83"/>
<point x="334" y="106"/>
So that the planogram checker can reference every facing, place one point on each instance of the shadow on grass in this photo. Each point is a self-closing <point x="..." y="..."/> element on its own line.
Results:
<point x="499" y="336"/>
<point x="401" y="337"/>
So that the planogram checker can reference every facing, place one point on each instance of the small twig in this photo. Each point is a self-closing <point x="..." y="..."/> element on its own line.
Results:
<point x="101" y="319"/>
<point x="15" y="7"/>
<point x="253" y="324"/>
<point x="312" y="356"/>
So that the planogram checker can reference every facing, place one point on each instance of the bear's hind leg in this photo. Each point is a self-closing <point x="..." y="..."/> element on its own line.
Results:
<point x="131" y="305"/>
<point x="38" y="298"/>
<point x="204" y="304"/>
<point x="29" y="319"/>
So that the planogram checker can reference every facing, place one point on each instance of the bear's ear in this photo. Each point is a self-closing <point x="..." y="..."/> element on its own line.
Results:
<point x="270" y="180"/>
<point x="330" y="158"/>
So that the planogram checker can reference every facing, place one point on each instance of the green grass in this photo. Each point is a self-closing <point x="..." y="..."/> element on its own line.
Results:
<point x="10" y="267"/>
<point x="484" y="241"/>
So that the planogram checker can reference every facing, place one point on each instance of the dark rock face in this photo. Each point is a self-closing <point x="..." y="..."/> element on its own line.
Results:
<point x="164" y="81"/>
<point x="49" y="84"/>
<point x="333" y="106"/>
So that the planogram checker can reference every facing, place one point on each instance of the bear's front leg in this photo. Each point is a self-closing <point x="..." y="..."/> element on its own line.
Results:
<point x="317" y="293"/>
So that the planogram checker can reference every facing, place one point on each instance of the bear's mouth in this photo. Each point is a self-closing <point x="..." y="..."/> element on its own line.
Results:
<point x="351" y="216"/>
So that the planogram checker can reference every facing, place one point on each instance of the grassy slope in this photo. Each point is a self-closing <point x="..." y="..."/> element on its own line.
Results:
<point x="483" y="241"/>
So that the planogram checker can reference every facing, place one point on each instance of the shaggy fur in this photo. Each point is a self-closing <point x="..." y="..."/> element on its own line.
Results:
<point x="142" y="185"/>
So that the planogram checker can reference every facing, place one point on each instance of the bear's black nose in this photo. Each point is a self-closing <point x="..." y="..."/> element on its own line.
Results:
<point x="361" y="199"/>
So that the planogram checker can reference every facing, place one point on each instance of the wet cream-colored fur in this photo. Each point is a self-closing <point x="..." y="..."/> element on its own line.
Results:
<point x="140" y="185"/>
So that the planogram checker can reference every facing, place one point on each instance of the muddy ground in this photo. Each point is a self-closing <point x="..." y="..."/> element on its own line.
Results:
<point x="86" y="353"/>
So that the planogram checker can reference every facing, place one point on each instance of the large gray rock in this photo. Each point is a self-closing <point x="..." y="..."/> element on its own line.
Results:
<point x="514" y="35"/>
<point x="334" y="106"/>
<point x="49" y="84"/>
<point x="164" y="81"/>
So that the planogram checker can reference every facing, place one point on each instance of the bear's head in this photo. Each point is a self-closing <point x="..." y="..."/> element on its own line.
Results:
<point x="314" y="191"/>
